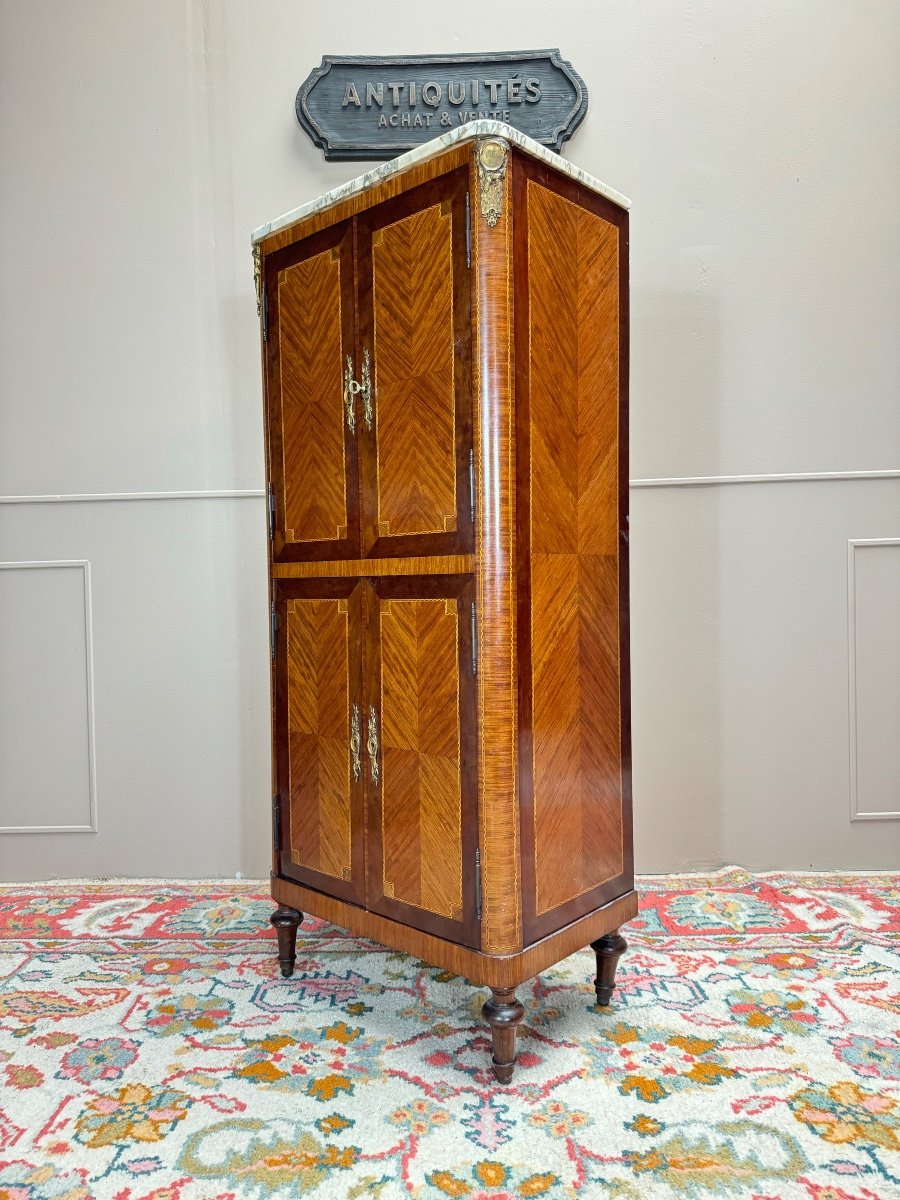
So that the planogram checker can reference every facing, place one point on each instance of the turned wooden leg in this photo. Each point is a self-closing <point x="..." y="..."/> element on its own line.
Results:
<point x="609" y="949"/>
<point x="503" y="1012"/>
<point x="286" y="921"/>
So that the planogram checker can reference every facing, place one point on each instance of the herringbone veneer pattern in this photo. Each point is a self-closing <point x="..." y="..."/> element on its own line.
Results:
<point x="412" y="264"/>
<point x="573" y="399"/>
<point x="312" y="414"/>
<point x="318" y="720"/>
<point x="420" y="733"/>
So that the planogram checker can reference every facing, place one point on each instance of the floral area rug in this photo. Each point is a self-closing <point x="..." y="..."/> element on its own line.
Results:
<point x="150" y="1050"/>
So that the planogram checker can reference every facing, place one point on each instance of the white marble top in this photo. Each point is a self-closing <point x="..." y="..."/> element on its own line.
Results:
<point x="473" y="129"/>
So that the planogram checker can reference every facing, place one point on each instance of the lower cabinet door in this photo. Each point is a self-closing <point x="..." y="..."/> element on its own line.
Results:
<point x="318" y="734"/>
<point x="419" y="745"/>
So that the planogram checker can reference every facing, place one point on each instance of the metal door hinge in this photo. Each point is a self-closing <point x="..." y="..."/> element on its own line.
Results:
<point x="265" y="316"/>
<point x="472" y="485"/>
<point x="474" y="641"/>
<point x="276" y="824"/>
<point x="478" y="884"/>
<point x="274" y="630"/>
<point x="468" y="230"/>
<point x="271" y="493"/>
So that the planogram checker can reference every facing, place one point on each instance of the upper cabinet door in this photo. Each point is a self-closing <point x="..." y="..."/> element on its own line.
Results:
<point x="415" y="329"/>
<point x="312" y="414"/>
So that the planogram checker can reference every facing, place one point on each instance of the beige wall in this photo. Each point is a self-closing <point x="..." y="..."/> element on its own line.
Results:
<point x="142" y="142"/>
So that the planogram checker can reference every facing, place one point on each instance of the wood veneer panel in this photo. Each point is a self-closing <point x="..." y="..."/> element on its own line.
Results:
<point x="574" y="746"/>
<point x="315" y="493"/>
<point x="414" y="309"/>
<point x="422" y="807"/>
<point x="439" y="564"/>
<point x="495" y="531"/>
<point x="577" y="788"/>
<point x="313" y="451"/>
<point x="479" y="967"/>
<point x="318" y="686"/>
<point x="412" y="269"/>
<point x="318" y="654"/>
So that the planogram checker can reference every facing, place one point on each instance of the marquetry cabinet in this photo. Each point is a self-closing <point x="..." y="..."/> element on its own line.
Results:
<point x="445" y="348"/>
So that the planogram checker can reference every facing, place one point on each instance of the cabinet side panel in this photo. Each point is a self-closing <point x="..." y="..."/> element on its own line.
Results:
<point x="575" y="833"/>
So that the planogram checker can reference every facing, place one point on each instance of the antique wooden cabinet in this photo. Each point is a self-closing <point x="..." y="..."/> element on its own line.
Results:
<point x="445" y="346"/>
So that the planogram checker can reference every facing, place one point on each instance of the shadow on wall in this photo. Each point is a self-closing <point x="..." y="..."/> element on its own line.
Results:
<point x="676" y="632"/>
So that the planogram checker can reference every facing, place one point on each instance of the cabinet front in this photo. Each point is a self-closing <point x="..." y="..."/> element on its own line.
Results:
<point x="420" y="769"/>
<point x="414" y="312"/>
<point x="319" y="723"/>
<point x="313" y="472"/>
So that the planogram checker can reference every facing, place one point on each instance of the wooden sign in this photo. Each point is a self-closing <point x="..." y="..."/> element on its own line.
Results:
<point x="373" y="108"/>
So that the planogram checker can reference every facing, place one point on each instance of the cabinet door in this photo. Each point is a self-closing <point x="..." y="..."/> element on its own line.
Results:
<point x="318" y="733"/>
<point x="421" y="804"/>
<point x="415" y="312"/>
<point x="312" y="416"/>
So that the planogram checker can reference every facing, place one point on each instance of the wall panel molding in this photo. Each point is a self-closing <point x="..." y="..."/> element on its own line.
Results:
<point x="680" y="481"/>
<point x="675" y="481"/>
<point x="104" y="497"/>
<point x="856" y="814"/>
<point x="84" y="566"/>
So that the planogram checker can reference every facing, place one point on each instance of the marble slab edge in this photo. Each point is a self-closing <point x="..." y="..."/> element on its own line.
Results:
<point x="472" y="129"/>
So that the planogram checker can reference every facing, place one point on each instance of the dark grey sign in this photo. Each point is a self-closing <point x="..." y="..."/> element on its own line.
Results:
<point x="371" y="108"/>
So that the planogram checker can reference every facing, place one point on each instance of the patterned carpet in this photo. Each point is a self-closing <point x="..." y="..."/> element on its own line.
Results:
<point x="149" y="1050"/>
